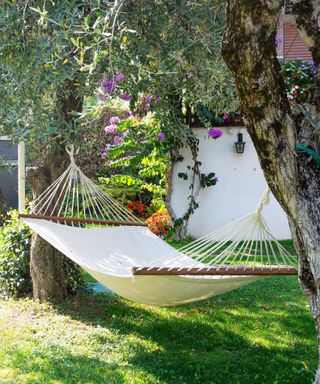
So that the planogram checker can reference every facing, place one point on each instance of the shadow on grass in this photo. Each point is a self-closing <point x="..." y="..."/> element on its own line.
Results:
<point x="60" y="366"/>
<point x="261" y="333"/>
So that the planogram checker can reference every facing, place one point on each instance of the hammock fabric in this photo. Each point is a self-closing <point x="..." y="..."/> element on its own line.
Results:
<point x="116" y="248"/>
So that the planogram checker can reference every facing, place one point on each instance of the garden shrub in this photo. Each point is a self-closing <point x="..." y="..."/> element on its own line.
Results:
<point x="300" y="79"/>
<point x="73" y="277"/>
<point x="15" y="241"/>
<point x="15" y="279"/>
<point x="159" y="223"/>
<point x="138" y="208"/>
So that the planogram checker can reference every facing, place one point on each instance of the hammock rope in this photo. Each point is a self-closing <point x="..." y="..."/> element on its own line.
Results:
<point x="73" y="195"/>
<point x="243" y="247"/>
<point x="245" y="243"/>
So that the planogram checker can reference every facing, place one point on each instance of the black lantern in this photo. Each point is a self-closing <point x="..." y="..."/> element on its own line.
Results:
<point x="240" y="144"/>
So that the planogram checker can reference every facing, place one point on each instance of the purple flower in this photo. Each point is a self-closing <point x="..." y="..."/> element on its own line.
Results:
<point x="105" y="152"/>
<point x="214" y="133"/>
<point x="101" y="97"/>
<point x="114" y="120"/>
<point x="120" y="77"/>
<point x="191" y="74"/>
<point x="158" y="99"/>
<point x="148" y="99"/>
<point x="125" y="96"/>
<point x="226" y="116"/>
<point x="161" y="136"/>
<point x="109" y="86"/>
<point x="131" y="113"/>
<point x="110" y="128"/>
<point x="117" y="140"/>
<point x="313" y="67"/>
<point x="278" y="39"/>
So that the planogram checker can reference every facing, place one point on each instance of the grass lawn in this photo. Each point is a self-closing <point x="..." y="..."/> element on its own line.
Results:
<point x="261" y="333"/>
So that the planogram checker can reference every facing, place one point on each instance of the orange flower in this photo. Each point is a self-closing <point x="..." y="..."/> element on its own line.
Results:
<point x="159" y="223"/>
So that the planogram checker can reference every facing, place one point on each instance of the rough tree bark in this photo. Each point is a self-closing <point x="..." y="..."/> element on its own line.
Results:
<point x="46" y="263"/>
<point x="250" y="52"/>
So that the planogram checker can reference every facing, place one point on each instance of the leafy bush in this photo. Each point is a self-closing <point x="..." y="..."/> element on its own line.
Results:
<point x="73" y="277"/>
<point x="159" y="223"/>
<point x="15" y="241"/>
<point x="15" y="279"/>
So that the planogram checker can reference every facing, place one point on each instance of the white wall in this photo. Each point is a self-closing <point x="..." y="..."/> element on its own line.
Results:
<point x="238" y="191"/>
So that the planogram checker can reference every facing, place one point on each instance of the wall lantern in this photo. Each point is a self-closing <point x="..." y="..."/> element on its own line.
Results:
<point x="240" y="144"/>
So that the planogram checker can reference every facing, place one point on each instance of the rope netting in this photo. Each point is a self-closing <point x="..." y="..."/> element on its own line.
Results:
<point x="73" y="195"/>
<point x="246" y="243"/>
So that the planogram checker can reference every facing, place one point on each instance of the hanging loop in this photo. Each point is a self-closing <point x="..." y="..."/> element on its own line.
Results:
<point x="265" y="200"/>
<point x="71" y="152"/>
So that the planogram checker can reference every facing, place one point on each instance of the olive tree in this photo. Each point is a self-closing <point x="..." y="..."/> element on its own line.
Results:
<point x="54" y="55"/>
<point x="275" y="128"/>
<point x="42" y="89"/>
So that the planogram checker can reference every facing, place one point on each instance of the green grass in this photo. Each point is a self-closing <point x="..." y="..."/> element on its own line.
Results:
<point x="261" y="333"/>
<point x="88" y="278"/>
<point x="180" y="243"/>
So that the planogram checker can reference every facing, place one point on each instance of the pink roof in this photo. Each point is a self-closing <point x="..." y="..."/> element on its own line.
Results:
<point x="291" y="44"/>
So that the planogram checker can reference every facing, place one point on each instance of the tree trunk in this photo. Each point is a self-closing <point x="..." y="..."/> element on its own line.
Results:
<point x="46" y="263"/>
<point x="46" y="266"/>
<point x="250" y="52"/>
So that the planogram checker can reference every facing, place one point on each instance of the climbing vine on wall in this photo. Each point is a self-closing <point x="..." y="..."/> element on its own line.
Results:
<point x="198" y="180"/>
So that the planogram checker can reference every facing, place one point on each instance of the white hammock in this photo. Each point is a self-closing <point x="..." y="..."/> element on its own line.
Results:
<point x="136" y="264"/>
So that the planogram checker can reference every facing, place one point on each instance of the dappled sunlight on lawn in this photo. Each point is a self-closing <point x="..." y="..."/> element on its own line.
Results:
<point x="260" y="333"/>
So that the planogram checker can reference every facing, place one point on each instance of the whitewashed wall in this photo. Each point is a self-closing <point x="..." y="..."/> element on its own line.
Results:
<point x="238" y="191"/>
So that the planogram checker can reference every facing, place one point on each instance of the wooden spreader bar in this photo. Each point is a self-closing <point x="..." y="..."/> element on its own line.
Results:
<point x="239" y="270"/>
<point x="70" y="220"/>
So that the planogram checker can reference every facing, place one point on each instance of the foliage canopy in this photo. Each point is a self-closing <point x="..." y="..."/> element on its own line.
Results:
<point x="52" y="50"/>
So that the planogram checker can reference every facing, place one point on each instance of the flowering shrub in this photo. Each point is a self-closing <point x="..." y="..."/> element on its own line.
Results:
<point x="299" y="78"/>
<point x="137" y="208"/>
<point x="136" y="155"/>
<point x="159" y="223"/>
